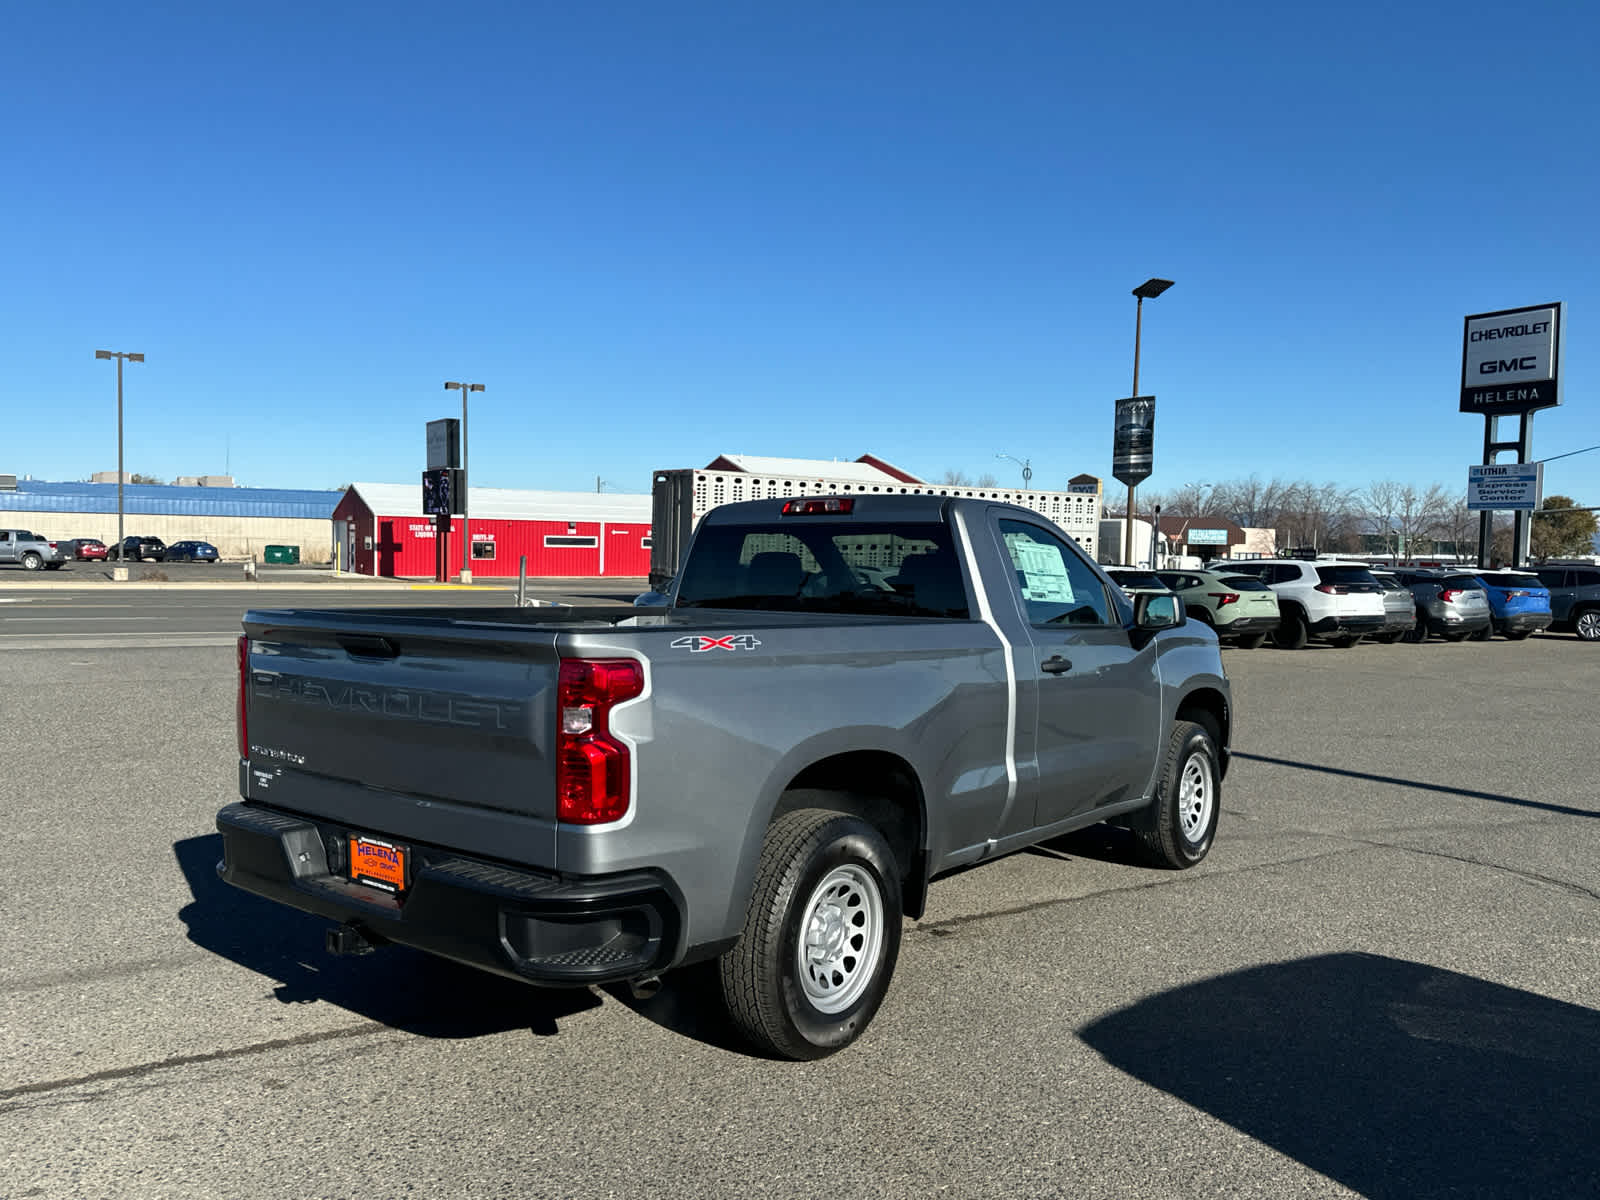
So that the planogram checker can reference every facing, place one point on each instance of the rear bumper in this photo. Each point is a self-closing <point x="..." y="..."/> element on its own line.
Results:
<point x="1347" y="625"/>
<point x="1245" y="626"/>
<point x="1533" y="622"/>
<point x="514" y="921"/>
<point x="1452" y="622"/>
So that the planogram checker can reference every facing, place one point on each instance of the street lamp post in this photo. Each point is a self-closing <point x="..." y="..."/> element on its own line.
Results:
<point x="119" y="355"/>
<point x="1149" y="289"/>
<point x="1027" y="468"/>
<point x="466" y="529"/>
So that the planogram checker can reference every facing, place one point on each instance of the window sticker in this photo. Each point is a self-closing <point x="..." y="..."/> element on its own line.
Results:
<point x="1044" y="575"/>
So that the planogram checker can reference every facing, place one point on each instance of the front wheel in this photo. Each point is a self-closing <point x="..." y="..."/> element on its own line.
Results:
<point x="1587" y="626"/>
<point x="1178" y="829"/>
<point x="820" y="938"/>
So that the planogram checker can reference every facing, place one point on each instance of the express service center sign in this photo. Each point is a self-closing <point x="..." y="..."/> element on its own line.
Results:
<point x="1510" y="361"/>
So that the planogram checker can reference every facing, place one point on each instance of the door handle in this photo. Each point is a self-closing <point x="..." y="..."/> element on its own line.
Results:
<point x="1055" y="665"/>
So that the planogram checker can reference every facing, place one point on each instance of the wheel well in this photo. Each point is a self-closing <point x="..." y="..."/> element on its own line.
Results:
<point x="1291" y="606"/>
<point x="1207" y="707"/>
<point x="881" y="789"/>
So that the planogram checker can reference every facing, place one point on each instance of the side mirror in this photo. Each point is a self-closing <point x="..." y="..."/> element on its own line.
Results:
<point x="1153" y="611"/>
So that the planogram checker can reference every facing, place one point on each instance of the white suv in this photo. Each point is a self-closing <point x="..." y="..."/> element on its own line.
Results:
<point x="1323" y="597"/>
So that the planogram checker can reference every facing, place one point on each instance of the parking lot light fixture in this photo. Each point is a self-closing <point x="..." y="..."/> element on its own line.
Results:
<point x="119" y="355"/>
<point x="1148" y="290"/>
<point x="1027" y="468"/>
<point x="454" y="385"/>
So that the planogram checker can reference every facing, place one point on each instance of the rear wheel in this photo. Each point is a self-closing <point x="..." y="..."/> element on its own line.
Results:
<point x="1482" y="635"/>
<point x="32" y="562"/>
<point x="1252" y="641"/>
<point x="1177" y="830"/>
<point x="1419" y="630"/>
<point x="820" y="938"/>
<point x="1292" y="633"/>
<point x="1587" y="625"/>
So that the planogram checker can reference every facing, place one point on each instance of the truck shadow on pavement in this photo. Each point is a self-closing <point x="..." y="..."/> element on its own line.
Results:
<point x="1394" y="1078"/>
<point x="396" y="986"/>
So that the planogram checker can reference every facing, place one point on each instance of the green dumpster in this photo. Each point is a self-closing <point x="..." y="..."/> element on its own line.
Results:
<point x="281" y="554"/>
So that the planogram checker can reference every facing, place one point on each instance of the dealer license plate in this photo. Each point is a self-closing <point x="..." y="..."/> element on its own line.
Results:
<point x="378" y="864"/>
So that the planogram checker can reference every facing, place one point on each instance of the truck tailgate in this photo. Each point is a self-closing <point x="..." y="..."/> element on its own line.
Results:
<point x="433" y="709"/>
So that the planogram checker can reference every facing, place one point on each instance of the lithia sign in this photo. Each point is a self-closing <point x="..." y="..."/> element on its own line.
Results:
<point x="1511" y="360"/>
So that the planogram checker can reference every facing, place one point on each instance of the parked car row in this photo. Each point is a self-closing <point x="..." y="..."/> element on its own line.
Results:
<point x="1342" y="601"/>
<point x="38" y="553"/>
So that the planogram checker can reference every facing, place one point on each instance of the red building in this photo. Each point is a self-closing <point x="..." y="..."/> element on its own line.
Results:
<point x="382" y="530"/>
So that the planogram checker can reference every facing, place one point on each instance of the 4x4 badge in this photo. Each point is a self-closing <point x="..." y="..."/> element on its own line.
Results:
<point x="700" y="642"/>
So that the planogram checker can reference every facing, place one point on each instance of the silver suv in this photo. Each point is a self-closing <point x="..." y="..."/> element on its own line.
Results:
<point x="1323" y="597"/>
<point x="33" y="552"/>
<point x="1451" y="604"/>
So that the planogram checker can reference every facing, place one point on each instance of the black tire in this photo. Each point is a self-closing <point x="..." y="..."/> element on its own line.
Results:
<point x="772" y="1000"/>
<point x="1482" y="635"/>
<point x="1516" y="635"/>
<point x="1292" y="633"/>
<point x="1202" y="616"/>
<point x="1252" y="641"/>
<point x="1177" y="830"/>
<point x="32" y="562"/>
<point x="1419" y="631"/>
<point x="1586" y="624"/>
<point x="1345" y="642"/>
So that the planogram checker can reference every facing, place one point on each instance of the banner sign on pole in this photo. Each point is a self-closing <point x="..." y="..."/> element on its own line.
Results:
<point x="1505" y="488"/>
<point x="444" y="443"/>
<point x="1133" y="440"/>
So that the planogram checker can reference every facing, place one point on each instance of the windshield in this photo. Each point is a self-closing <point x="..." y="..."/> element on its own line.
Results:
<point x="828" y="566"/>
<point x="1143" y="579"/>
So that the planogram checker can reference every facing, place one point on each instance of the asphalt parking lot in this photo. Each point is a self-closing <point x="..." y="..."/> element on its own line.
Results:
<point x="1382" y="982"/>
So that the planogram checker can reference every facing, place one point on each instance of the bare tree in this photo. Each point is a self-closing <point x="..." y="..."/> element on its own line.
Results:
<point x="955" y="478"/>
<point x="1419" y="516"/>
<point x="1249" y="502"/>
<point x="1458" y="525"/>
<point x="986" y="480"/>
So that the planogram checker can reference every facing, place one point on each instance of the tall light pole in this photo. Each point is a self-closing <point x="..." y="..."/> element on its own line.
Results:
<point x="466" y="529"/>
<point x="1027" y="468"/>
<point x="1149" y="289"/>
<point x="119" y="355"/>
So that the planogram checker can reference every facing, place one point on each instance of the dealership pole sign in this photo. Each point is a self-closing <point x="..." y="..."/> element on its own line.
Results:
<point x="1515" y="487"/>
<point x="1511" y="360"/>
<point x="1133" y="440"/>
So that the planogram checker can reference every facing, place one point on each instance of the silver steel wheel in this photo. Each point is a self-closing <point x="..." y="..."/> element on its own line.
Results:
<point x="1197" y="794"/>
<point x="841" y="939"/>
<point x="1589" y="626"/>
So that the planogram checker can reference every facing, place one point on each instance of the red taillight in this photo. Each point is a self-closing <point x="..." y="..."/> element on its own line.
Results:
<point x="1333" y="589"/>
<point x="1448" y="595"/>
<point x="244" y="674"/>
<point x="821" y="506"/>
<point x="1223" y="597"/>
<point x="592" y="767"/>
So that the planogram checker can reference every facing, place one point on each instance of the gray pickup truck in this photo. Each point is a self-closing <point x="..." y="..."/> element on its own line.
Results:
<point x="33" y="552"/>
<point x="845" y="699"/>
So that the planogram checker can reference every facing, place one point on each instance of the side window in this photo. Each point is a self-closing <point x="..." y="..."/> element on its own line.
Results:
<point x="1586" y="578"/>
<point x="1056" y="585"/>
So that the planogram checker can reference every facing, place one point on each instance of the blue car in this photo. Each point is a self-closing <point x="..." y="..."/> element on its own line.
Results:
<point x="192" y="552"/>
<point x="1519" y="603"/>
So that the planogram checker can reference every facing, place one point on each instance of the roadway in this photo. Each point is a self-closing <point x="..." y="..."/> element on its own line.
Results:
<point x="1383" y="981"/>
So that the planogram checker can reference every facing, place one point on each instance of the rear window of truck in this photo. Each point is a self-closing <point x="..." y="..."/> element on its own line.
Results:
<point x="826" y="567"/>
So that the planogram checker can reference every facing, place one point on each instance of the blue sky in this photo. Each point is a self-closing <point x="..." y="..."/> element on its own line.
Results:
<point x="658" y="233"/>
